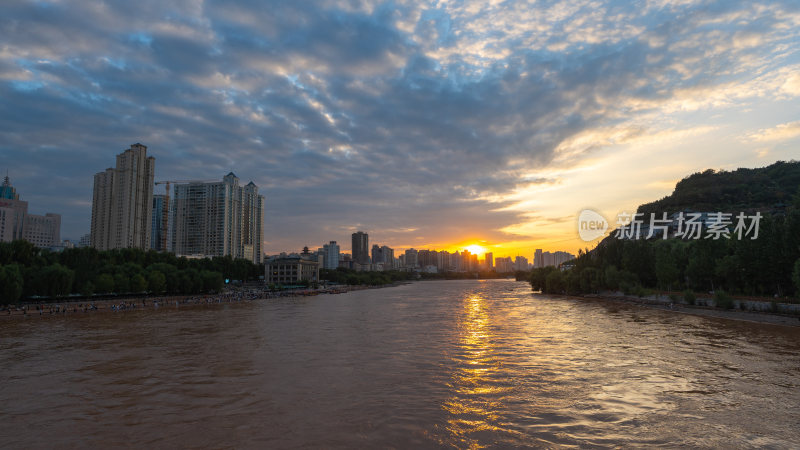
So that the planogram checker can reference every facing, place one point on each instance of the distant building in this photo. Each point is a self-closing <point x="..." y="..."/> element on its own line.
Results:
<point x="16" y="223"/>
<point x="158" y="229"/>
<point x="521" y="263"/>
<point x="489" y="258"/>
<point x="411" y="256"/>
<point x="7" y="191"/>
<point x="291" y="270"/>
<point x="455" y="261"/>
<point x="217" y="219"/>
<point x="85" y="240"/>
<point x="382" y="258"/>
<point x="443" y="261"/>
<point x="427" y="258"/>
<point x="330" y="255"/>
<point x="122" y="202"/>
<point x="42" y="231"/>
<point x="360" y="249"/>
<point x="466" y="261"/>
<point x="388" y="257"/>
<point x="503" y="264"/>
<point x="547" y="259"/>
<point x="538" y="259"/>
<point x="377" y="254"/>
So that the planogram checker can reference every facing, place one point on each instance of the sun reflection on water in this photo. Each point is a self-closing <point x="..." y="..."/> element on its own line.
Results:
<point x="477" y="388"/>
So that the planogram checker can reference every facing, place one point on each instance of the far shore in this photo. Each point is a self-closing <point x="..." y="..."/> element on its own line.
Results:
<point x="665" y="304"/>
<point x="114" y="304"/>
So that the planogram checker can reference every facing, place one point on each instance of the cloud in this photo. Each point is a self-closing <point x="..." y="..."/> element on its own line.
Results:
<point x="780" y="132"/>
<point x="389" y="115"/>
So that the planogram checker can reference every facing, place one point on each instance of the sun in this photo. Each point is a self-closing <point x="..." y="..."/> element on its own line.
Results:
<point x="476" y="249"/>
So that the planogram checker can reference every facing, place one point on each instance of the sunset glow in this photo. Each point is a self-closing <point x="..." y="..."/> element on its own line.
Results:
<point x="441" y="125"/>
<point x="476" y="249"/>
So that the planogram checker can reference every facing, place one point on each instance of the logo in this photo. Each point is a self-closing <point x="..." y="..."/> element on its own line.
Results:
<point x="591" y="225"/>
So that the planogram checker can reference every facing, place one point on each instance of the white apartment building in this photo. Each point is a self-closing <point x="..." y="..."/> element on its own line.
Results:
<point x="217" y="219"/>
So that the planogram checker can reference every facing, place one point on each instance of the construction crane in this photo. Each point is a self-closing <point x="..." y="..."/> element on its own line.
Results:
<point x="165" y="209"/>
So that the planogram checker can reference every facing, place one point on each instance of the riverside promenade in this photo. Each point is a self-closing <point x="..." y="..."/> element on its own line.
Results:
<point x="116" y="304"/>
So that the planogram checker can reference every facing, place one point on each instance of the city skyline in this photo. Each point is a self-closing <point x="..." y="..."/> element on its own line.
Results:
<point x="435" y="126"/>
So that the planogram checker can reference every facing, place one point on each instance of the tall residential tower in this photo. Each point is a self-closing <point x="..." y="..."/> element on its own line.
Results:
<point x="360" y="247"/>
<point x="217" y="219"/>
<point x="122" y="204"/>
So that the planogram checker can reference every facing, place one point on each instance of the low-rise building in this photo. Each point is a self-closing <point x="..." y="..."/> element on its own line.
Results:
<point x="291" y="270"/>
<point x="17" y="223"/>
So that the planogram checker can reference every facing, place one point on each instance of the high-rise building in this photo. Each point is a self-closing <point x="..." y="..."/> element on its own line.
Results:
<point x="16" y="223"/>
<point x="252" y="222"/>
<point x="520" y="263"/>
<point x="360" y="247"/>
<point x="12" y="212"/>
<point x="217" y="219"/>
<point x="331" y="251"/>
<point x="489" y="258"/>
<point x="411" y="260"/>
<point x="377" y="254"/>
<point x="443" y="261"/>
<point x="503" y="264"/>
<point x="427" y="258"/>
<point x="538" y="259"/>
<point x="158" y="231"/>
<point x="388" y="257"/>
<point x="122" y="204"/>
<point x="455" y="261"/>
<point x="545" y="259"/>
<point x="7" y="191"/>
<point x="466" y="258"/>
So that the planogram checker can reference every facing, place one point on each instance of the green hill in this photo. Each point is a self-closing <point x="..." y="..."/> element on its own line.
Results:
<point x="760" y="189"/>
<point x="762" y="264"/>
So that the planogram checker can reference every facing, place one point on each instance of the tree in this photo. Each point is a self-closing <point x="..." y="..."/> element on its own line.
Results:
<point x="555" y="282"/>
<point x="11" y="282"/>
<point x="612" y="277"/>
<point x="88" y="289"/>
<point x="212" y="281"/>
<point x="156" y="282"/>
<point x="590" y="279"/>
<point x="729" y="271"/>
<point x="138" y="283"/>
<point x="796" y="278"/>
<point x="104" y="283"/>
<point x="170" y="274"/>
<point x="122" y="284"/>
<point x="58" y="280"/>
<point x="703" y="257"/>
<point x="23" y="252"/>
<point x="538" y="278"/>
<point x="666" y="265"/>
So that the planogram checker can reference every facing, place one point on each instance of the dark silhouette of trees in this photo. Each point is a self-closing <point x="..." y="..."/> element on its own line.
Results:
<point x="26" y="271"/>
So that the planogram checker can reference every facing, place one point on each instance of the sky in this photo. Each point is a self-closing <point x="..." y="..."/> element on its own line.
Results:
<point x="426" y="124"/>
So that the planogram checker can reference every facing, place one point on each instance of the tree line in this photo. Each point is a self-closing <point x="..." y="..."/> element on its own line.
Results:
<point x="29" y="272"/>
<point x="766" y="266"/>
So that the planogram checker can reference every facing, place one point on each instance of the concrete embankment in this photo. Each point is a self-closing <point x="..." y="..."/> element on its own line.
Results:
<point x="742" y="308"/>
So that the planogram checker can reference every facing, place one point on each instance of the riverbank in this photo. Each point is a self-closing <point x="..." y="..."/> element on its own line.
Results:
<point x="666" y="304"/>
<point x="106" y="304"/>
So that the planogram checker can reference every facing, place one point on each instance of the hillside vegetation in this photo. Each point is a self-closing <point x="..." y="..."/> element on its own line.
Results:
<point x="766" y="266"/>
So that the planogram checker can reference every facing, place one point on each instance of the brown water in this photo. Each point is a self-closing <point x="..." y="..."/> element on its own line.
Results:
<point x="449" y="363"/>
